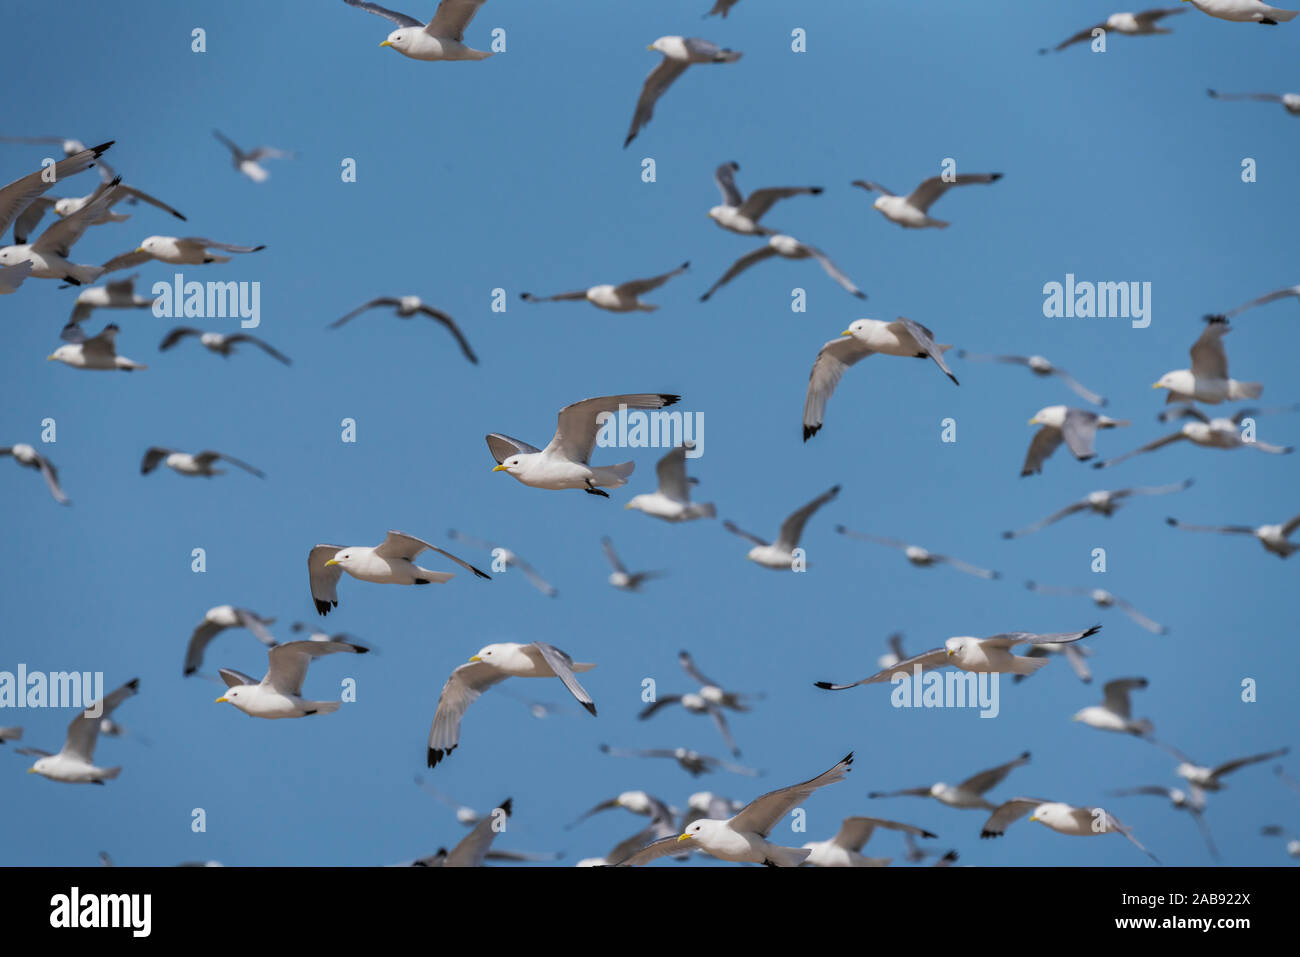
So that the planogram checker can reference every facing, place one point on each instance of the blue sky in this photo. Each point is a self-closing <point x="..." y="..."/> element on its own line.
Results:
<point x="509" y="174"/>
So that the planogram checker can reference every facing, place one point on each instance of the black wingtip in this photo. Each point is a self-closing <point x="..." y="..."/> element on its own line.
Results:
<point x="189" y="671"/>
<point x="824" y="684"/>
<point x="97" y="150"/>
<point x="874" y="794"/>
<point x="591" y="708"/>
<point x="1008" y="534"/>
<point x="134" y="684"/>
<point x="1171" y="521"/>
<point x="1024" y="755"/>
<point x="507" y="806"/>
<point x="928" y="834"/>
<point x="810" y="430"/>
<point x="604" y="748"/>
<point x="1092" y="631"/>
<point x="995" y="177"/>
<point x="670" y="399"/>
<point x="817" y="190"/>
<point x="258" y="249"/>
<point x="847" y="759"/>
<point x="988" y="834"/>
<point x="323" y="606"/>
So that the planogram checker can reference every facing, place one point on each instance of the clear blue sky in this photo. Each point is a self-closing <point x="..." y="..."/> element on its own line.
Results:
<point x="509" y="173"/>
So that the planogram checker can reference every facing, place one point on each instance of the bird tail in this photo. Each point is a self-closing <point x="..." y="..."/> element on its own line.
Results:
<point x="110" y="773"/>
<point x="787" y="856"/>
<point x="1143" y="728"/>
<point x="727" y="56"/>
<point x="129" y="364"/>
<point x="1246" y="390"/>
<point x="622" y="469"/>
<point x="1027" y="666"/>
<point x="324" y="707"/>
<point x="85" y="274"/>
<point x="436" y="578"/>
<point x="707" y="510"/>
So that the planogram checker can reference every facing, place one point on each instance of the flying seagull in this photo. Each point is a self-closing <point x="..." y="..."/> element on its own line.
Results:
<point x="17" y="196"/>
<point x="692" y="762"/>
<point x="1144" y="24"/>
<point x="564" y="463"/>
<point x="918" y="556"/>
<point x="508" y="559"/>
<point x="1039" y="366"/>
<point x="1218" y="433"/>
<point x="1207" y="380"/>
<point x="391" y="562"/>
<point x="27" y="456"/>
<point x="741" y="214"/>
<point x="623" y="297"/>
<point x="913" y="211"/>
<point x="1274" y="538"/>
<point x="118" y="294"/>
<point x="694" y="704"/>
<point x="1290" y="292"/>
<point x="49" y="252"/>
<point x="678" y="53"/>
<point x="493" y="664"/>
<point x="93" y="352"/>
<point x="620" y="577"/>
<point x="279" y="693"/>
<point x="408" y="306"/>
<point x="442" y="38"/>
<point x="780" y="556"/>
<point x="788" y="248"/>
<point x="845" y="848"/>
<point x="1060" y="817"/>
<point x="1208" y="778"/>
<point x="1192" y="800"/>
<point x="671" y="501"/>
<point x="1289" y="101"/>
<point x="250" y="163"/>
<point x="1115" y="713"/>
<point x="186" y="463"/>
<point x="1077" y="428"/>
<point x="966" y="795"/>
<point x="1102" y="502"/>
<point x="215" y="621"/>
<point x="179" y="251"/>
<point x="475" y="847"/>
<point x="216" y="342"/>
<point x="75" y="763"/>
<point x="1102" y="599"/>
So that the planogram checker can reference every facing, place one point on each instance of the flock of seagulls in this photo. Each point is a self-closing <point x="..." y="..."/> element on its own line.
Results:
<point x="712" y="824"/>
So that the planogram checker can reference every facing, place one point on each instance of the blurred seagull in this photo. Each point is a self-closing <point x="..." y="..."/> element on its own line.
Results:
<point x="919" y="556"/>
<point x="1102" y="599"/>
<point x="187" y="463"/>
<point x="678" y="53"/>
<point x="507" y="559"/>
<point x="93" y="352"/>
<point x="623" y="297"/>
<point x="1060" y="817"/>
<point x="118" y="294"/>
<point x="1076" y="427"/>
<point x="222" y="345"/>
<point x="692" y="762"/>
<point x="75" y="763"/>
<point x="1102" y="502"/>
<point x="1115" y="713"/>
<point x="912" y="211"/>
<point x="1039" y="366"/>
<point x="1207" y="380"/>
<point x="620" y="577"/>
<point x="27" y="456"/>
<point x="1142" y="24"/>
<point x="1274" y="538"/>
<point x="408" y="306"/>
<point x="1218" y="433"/>
<point x="671" y="501"/>
<point x="740" y="214"/>
<point x="1207" y="778"/>
<point x="215" y="621"/>
<point x="250" y="163"/>
<point x="1192" y="800"/>
<point x="1290" y="101"/>
<point x="780" y="556"/>
<point x="187" y="251"/>
<point x="788" y="248"/>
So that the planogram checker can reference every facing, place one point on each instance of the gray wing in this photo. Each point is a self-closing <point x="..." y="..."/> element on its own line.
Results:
<point x="608" y="545"/>
<point x="473" y="848"/>
<point x="461" y="689"/>
<point x="450" y="323"/>
<point x="1079" y="37"/>
<point x="400" y="545"/>
<point x="380" y="301"/>
<point x="1149" y="447"/>
<point x="725" y="177"/>
<point x="870" y="187"/>
<point x="324" y="579"/>
<point x="21" y="193"/>
<point x="835" y="273"/>
<point x="925" y="339"/>
<point x="967" y="567"/>
<point x="578" y="423"/>
<point x="987" y="780"/>
<point x="451" y="19"/>
<point x="1079" y="431"/>
<point x="855" y="831"/>
<point x="503" y="446"/>
<point x="131" y="192"/>
<point x="1043" y="444"/>
<point x="61" y="236"/>
<point x="224" y="247"/>
<point x="401" y="19"/>
<point x="1115" y="695"/>
<point x="1012" y="638"/>
<point x="692" y="671"/>
<point x="51" y="476"/>
<point x="740" y="265"/>
<point x="273" y="353"/>
<point x="257" y="625"/>
<point x="83" y="732"/>
<point x="761" y="200"/>
<point x="660" y="78"/>
<point x="665" y="847"/>
<point x="562" y="665"/>
<point x="152" y="457"/>
<point x="1074" y="655"/>
<point x="1079" y="388"/>
<point x="1007" y="814"/>
<point x="934" y="187"/>
<point x="934" y="658"/>
<point x="211" y="456"/>
<point x="1054" y="517"/>
<point x="1209" y="361"/>
<point x="874" y="539"/>
<point x="671" y="473"/>
<point x="792" y="528"/>
<point x="1151" y="16"/>
<point x="175" y="335"/>
<point x="289" y="662"/>
<point x="736" y="530"/>
<point x="720" y="722"/>
<point x="31" y="217"/>
<point x="636" y="287"/>
<point x="1229" y="766"/>
<point x="1154" y="489"/>
<point x="1142" y="620"/>
<point x="760" y="815"/>
<point x="234" y="678"/>
<point x="230" y="144"/>
<point x="126" y="261"/>
<point x="833" y="360"/>
<point x="558" y="297"/>
<point x="1291" y="292"/>
<point x="199" y="642"/>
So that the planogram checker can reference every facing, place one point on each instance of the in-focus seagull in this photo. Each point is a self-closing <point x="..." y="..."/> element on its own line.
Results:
<point x="913" y="211"/>
<point x="391" y="562"/>
<point x="1290" y="101"/>
<point x="780" y="556"/>
<point x="408" y="306"/>
<point x="279" y="693"/>
<point x="508" y="559"/>
<point x="865" y="337"/>
<point x="621" y="297"/>
<point x="692" y="762"/>
<point x="215" y="621"/>
<point x="250" y="163"/>
<point x="116" y="294"/>
<point x="1102" y="502"/>
<point x="93" y="352"/>
<point x="1102" y="599"/>
<point x="1115" y="713"/>
<point x="1217" y="433"/>
<point x="966" y="795"/>
<point x="1244" y="11"/>
<point x="786" y="247"/>
<point x="218" y="343"/>
<point x="743" y="837"/>
<point x="1192" y="801"/>
<point x="75" y="763"/>
<point x="1144" y="24"/>
<point x="1208" y="778"/>
<point x="982" y="655"/>
<point x="1063" y="818"/>
<point x="740" y="214"/>
<point x="678" y="53"/>
<point x="17" y="196"/>
<point x="845" y="848"/>
<point x="1274" y="538"/>
<point x="493" y="664"/>
<point x="1207" y="380"/>
<point x="442" y="38"/>
<point x="27" y="456"/>
<point x="1077" y="428"/>
<point x="671" y="501"/>
<point x="620" y="577"/>
<point x="918" y="556"/>
<point x="192" y="463"/>
<point x="49" y="253"/>
<point x="564" y="463"/>
<point x="1039" y="366"/>
<point x="179" y="251"/>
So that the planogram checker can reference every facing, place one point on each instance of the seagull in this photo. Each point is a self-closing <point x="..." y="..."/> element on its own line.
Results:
<point x="27" y="456"/>
<point x="94" y="352"/>
<point x="564" y="463"/>
<point x="1207" y="778"/>
<point x="629" y="846"/>
<point x="1102" y="599"/>
<point x="621" y="578"/>
<point x="740" y="214"/>
<point x="315" y="634"/>
<point x="10" y="734"/>
<point x="17" y="196"/>
<point x="991" y="655"/>
<point x="1063" y="818"/>
<point x="1218" y="433"/>
<point x="743" y="837"/>
<point x="912" y="212"/>
<point x="1102" y="502"/>
<point x="865" y="337"/>
<point x="222" y="345"/>
<point x="694" y="704"/>
<point x="1275" y="830"/>
<point x="507" y="559"/>
<point x="186" y="463"/>
<point x="781" y="555"/>
<point x="493" y="664"/>
<point x="1274" y="538"/>
<point x="915" y="855"/>
<point x="966" y="795"/>
<point x="789" y="248"/>
<point x="1142" y="24"/>
<point x="1115" y="712"/>
<point x="1039" y="366"/>
<point x="1073" y="654"/>
<point x="475" y="847"/>
<point x="279" y="693"/>
<point x="218" y="619"/>
<point x="706" y="804"/>
<point x="442" y="38"/>
<point x="895" y="654"/>
<point x="1290" y="292"/>
<point x="408" y="306"/>
<point x="692" y="762"/>
<point x="1207" y="380"/>
<point x="250" y="163"/>
<point x="49" y="253"/>
<point x="679" y="53"/>
<point x="75" y="763"/>
<point x="637" y="802"/>
<point x="1290" y="101"/>
<point x="119" y="294"/>
<point x="710" y="690"/>
<point x="1244" y="11"/>
<point x="391" y="562"/>
<point x="187" y="251"/>
<point x="1192" y="800"/>
<point x="624" y="297"/>
<point x="844" y="849"/>
<point x="1076" y="427"/>
<point x="919" y="556"/>
<point x="464" y="814"/>
<point x="11" y="277"/>
<point x="31" y="217"/>
<point x="671" y="501"/>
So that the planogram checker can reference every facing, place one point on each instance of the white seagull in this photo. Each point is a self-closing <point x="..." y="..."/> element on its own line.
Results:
<point x="1218" y="433"/>
<point x="620" y="577"/>
<point x="1077" y="428"/>
<point x="780" y="556"/>
<point x="279" y="693"/>
<point x="1102" y="599"/>
<point x="93" y="352"/>
<point x="1208" y="778"/>
<point x="913" y="211"/>
<point x="679" y="53"/>
<point x="1060" y="817"/>
<point x="1115" y="713"/>
<point x="1144" y="24"/>
<point x="845" y="848"/>
<point x="1102" y="502"/>
<point x="391" y="562"/>
<point x="408" y="306"/>
<point x="1289" y="101"/>
<point x="1244" y="11"/>
<point x="116" y="294"/>
<point x="442" y="38"/>
<point x="218" y="343"/>
<point x="179" y="251"/>
<point x="75" y="763"/>
<point x="1039" y="366"/>
<point x="215" y="621"/>
<point x="623" y="297"/>
<point x="507" y="559"/>
<point x="786" y="247"/>
<point x="967" y="795"/>
<point x="671" y="501"/>
<point x="1207" y="380"/>
<point x="918" y="556"/>
<point x="740" y="214"/>
<point x="250" y="163"/>
<point x="1274" y="538"/>
<point x="192" y="463"/>
<point x="27" y="456"/>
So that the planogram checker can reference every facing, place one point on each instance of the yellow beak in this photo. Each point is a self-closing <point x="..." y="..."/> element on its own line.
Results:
<point x="1034" y="420"/>
<point x="650" y="47"/>
<point x="1033" y="817"/>
<point x="1155" y="385"/>
<point x="951" y="652"/>
<point x="847" y="332"/>
<point x="49" y="358"/>
<point x="627" y="506"/>
<point x="499" y="468"/>
<point x="386" y="43"/>
<point x="331" y="562"/>
<point x="222" y="701"/>
<point x="31" y="770"/>
<point x="684" y="837"/>
<point x="139" y="249"/>
<point x="476" y="658"/>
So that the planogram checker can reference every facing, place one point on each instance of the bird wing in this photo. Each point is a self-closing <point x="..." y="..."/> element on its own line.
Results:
<point x="51" y="476"/>
<point x="83" y="732"/>
<point x="1209" y="361"/>
<point x="21" y="193"/>
<point x="400" y="545"/>
<point x="1013" y="638"/>
<point x="224" y="247"/>
<point x="380" y="301"/>
<point x="503" y="446"/>
<point x="608" y="545"/>
<point x="1149" y="447"/>
<point x="966" y="567"/>
<point x="925" y="339"/>
<point x="834" y="272"/>
<point x="725" y="177"/>
<point x="257" y="625"/>
<point x="234" y="678"/>
<point x="474" y="846"/>
<point x="562" y="665"/>
<point x="31" y="217"/>
<point x="103" y="344"/>
<point x="1007" y="814"/>
<point x="451" y="18"/>
<point x="579" y="422"/>
<point x="61" y="236"/>
<point x="131" y="192"/>
<point x="664" y="847"/>
<point x="1229" y="766"/>
<point x="656" y="83"/>
<point x="1149" y="17"/>
<point x="1080" y="37"/>
<point x="740" y="265"/>
<point x="660" y="702"/>
<point x="833" y="359"/>
<point x="869" y="186"/>
<point x="1079" y="430"/>
<point x="855" y="831"/>
<point x="692" y="671"/>
<point x="440" y="316"/>
<point x="1142" y="620"/>
<point x="289" y="662"/>
<point x="1115" y="695"/>
<point x="126" y="260"/>
<point x="199" y="641"/>
<point x="401" y="19"/>
<point x="671" y="473"/>
<point x="175" y="335"/>
<point x="987" y="780"/>
<point x="736" y="530"/>
<point x="635" y="287"/>
<point x="760" y="815"/>
<point x="1041" y="447"/>
<point x="462" y="689"/>
<point x="934" y="187"/>
<point x="324" y="579"/>
<point x="934" y="658"/>
<point x="792" y="528"/>
<point x="1078" y="387"/>
<point x="761" y="200"/>
<point x="1054" y="517"/>
<point x="273" y="353"/>
<point x="1287" y="293"/>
